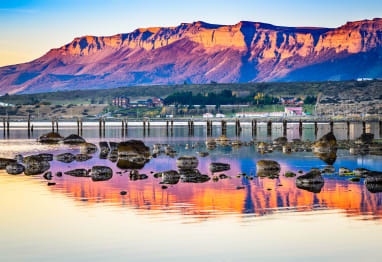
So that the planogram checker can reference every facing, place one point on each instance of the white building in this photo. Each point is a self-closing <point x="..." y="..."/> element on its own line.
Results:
<point x="220" y="115"/>
<point x="208" y="115"/>
<point x="252" y="114"/>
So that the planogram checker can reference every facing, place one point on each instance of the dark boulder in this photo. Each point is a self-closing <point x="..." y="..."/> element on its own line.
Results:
<point x="15" y="168"/>
<point x="312" y="177"/>
<point x="314" y="188"/>
<point x="219" y="167"/>
<point x="6" y="161"/>
<point x="65" y="157"/>
<point x="50" y="138"/>
<point x="80" y="172"/>
<point x="88" y="148"/>
<point x="35" y="165"/>
<point x="366" y="138"/>
<point x="187" y="162"/>
<point x="280" y="141"/>
<point x="82" y="157"/>
<point x="73" y="139"/>
<point x="170" y="177"/>
<point x="101" y="173"/>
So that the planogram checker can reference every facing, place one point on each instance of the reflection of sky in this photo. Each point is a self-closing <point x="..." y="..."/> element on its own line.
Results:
<point x="214" y="199"/>
<point x="149" y="223"/>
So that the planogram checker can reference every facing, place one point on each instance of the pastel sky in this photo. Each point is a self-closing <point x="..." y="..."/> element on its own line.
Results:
<point x="30" y="28"/>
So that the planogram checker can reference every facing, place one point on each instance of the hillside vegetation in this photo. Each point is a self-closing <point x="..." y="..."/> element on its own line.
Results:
<point x="362" y="89"/>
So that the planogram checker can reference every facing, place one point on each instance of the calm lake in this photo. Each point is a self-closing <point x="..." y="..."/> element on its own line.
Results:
<point x="267" y="220"/>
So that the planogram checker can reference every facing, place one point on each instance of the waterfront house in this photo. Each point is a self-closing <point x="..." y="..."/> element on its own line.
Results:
<point x="293" y="111"/>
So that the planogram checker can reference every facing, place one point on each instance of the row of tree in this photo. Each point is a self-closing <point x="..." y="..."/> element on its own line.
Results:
<point x="225" y="97"/>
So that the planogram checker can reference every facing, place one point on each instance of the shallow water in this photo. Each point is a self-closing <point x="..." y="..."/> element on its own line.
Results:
<point x="268" y="220"/>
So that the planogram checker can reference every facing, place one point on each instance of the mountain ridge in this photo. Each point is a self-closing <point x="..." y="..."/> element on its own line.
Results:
<point x="200" y="52"/>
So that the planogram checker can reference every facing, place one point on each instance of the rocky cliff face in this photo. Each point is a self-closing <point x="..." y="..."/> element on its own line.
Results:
<point x="200" y="52"/>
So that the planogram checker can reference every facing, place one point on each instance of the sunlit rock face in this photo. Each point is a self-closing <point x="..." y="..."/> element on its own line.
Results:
<point x="202" y="52"/>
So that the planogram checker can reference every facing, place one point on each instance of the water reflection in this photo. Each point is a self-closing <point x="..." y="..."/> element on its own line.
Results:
<point x="259" y="197"/>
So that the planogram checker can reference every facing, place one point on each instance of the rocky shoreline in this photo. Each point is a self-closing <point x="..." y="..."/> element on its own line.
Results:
<point x="132" y="155"/>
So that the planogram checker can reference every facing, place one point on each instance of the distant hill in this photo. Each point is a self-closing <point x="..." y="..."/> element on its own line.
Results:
<point x="200" y="53"/>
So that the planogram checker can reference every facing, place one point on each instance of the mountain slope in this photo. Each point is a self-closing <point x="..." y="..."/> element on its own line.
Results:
<point x="200" y="52"/>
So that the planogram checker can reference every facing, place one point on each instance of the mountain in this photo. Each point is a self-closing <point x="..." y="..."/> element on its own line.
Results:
<point x="200" y="53"/>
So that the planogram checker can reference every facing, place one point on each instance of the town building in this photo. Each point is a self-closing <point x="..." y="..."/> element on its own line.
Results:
<point x="157" y="101"/>
<point x="125" y="102"/>
<point x="208" y="115"/>
<point x="291" y="101"/>
<point x="121" y="101"/>
<point x="293" y="111"/>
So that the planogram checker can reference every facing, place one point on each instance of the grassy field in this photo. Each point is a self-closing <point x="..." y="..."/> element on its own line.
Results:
<point x="104" y="96"/>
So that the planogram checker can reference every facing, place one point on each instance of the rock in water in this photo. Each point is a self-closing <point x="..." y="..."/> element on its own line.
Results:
<point x="193" y="176"/>
<point x="48" y="175"/>
<point x="374" y="187"/>
<point x="326" y="143"/>
<point x="15" y="168"/>
<point x="170" y="177"/>
<point x="101" y="173"/>
<point x="65" y="157"/>
<point x="280" y="141"/>
<point x="88" y="148"/>
<point x="6" y="161"/>
<point x="343" y="171"/>
<point x="113" y="146"/>
<point x="328" y="170"/>
<point x="104" y="149"/>
<point x="73" y="139"/>
<point x="82" y="157"/>
<point x="314" y="188"/>
<point x="219" y="167"/>
<point x="373" y="177"/>
<point x="187" y="162"/>
<point x="366" y="138"/>
<point x="312" y="177"/>
<point x="35" y="165"/>
<point x="46" y="156"/>
<point x="19" y="158"/>
<point x="203" y="154"/>
<point x="80" y="172"/>
<point x="50" y="138"/>
<point x="362" y="172"/>
<point x="133" y="154"/>
<point x="267" y="168"/>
